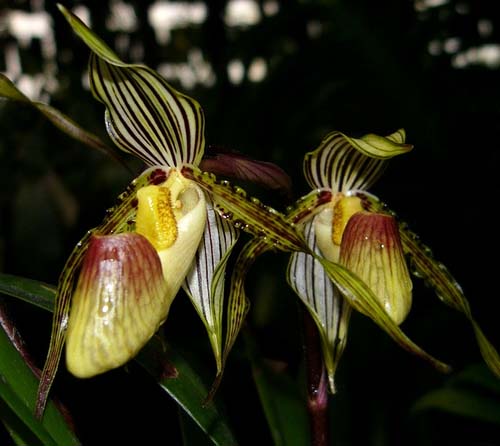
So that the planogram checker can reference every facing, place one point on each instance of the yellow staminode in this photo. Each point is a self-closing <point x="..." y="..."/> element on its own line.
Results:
<point x="155" y="216"/>
<point x="343" y="210"/>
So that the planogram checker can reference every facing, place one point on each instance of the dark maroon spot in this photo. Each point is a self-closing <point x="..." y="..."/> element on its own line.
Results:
<point x="158" y="176"/>
<point x="135" y="203"/>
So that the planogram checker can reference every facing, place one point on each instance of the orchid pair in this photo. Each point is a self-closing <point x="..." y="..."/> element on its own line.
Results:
<point x="176" y="226"/>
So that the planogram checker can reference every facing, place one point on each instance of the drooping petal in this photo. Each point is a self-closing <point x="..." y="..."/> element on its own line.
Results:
<point x="205" y="281"/>
<point x="9" y="91"/>
<point x="120" y="301"/>
<point x="372" y="249"/>
<point x="144" y="114"/>
<point x="238" y="302"/>
<point x="327" y="306"/>
<point x="343" y="163"/>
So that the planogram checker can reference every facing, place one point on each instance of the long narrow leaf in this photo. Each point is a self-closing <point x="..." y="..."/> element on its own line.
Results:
<point x="188" y="390"/>
<point x="18" y="388"/>
<point x="9" y="91"/>
<point x="186" y="387"/>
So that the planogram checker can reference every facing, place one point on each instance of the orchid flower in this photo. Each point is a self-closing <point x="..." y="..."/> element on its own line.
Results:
<point x="173" y="227"/>
<point x="355" y="230"/>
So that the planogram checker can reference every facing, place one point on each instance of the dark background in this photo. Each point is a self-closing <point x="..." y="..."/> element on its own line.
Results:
<point x="375" y="66"/>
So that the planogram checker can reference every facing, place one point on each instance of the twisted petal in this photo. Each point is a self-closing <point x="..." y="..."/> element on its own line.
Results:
<point x="144" y="114"/>
<point x="324" y="301"/>
<point x="343" y="163"/>
<point x="205" y="281"/>
<point x="248" y="213"/>
<point x="371" y="248"/>
<point x="119" y="302"/>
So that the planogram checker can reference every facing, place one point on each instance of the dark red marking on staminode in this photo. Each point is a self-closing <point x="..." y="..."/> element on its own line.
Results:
<point x="158" y="176"/>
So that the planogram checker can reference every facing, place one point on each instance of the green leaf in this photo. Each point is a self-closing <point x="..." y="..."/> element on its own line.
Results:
<point x="32" y="291"/>
<point x="9" y="91"/>
<point x="18" y="390"/>
<point x="284" y="406"/>
<point x="186" y="388"/>
<point x="461" y="402"/>
<point x="472" y="393"/>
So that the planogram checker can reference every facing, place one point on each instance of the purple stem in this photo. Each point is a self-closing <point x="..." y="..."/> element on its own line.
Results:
<point x="317" y="383"/>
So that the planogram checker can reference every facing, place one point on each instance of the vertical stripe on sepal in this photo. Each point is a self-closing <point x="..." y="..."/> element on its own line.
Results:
<point x="204" y="283"/>
<point x="343" y="163"/>
<point x="327" y="306"/>
<point x="146" y="116"/>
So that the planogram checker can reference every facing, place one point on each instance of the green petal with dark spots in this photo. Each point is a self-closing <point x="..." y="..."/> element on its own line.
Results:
<point x="247" y="213"/>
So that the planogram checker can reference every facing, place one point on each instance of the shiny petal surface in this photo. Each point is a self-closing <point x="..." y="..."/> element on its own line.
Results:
<point x="119" y="302"/>
<point x="372" y="249"/>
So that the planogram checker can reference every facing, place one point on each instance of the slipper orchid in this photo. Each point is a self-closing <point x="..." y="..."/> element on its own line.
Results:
<point x="356" y="231"/>
<point x="173" y="227"/>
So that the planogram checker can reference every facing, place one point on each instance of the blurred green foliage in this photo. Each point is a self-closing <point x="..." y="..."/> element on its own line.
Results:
<point x="369" y="69"/>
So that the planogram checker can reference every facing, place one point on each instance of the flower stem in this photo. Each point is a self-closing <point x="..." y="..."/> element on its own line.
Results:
<point x="317" y="383"/>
